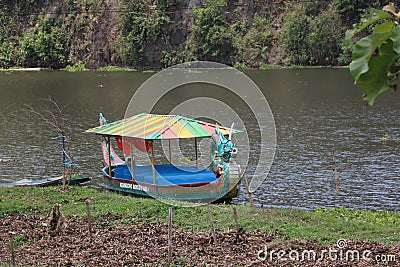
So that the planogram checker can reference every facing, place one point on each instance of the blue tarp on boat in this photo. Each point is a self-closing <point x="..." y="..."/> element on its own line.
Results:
<point x="166" y="174"/>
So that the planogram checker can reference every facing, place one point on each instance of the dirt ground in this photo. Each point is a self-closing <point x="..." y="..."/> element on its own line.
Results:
<point x="147" y="245"/>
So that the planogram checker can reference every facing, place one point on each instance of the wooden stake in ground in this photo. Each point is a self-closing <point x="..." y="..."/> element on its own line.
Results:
<point x="335" y="173"/>
<point x="246" y="186"/>
<point x="88" y="218"/>
<point x="169" y="235"/>
<point x="236" y="223"/>
<point x="212" y="227"/>
<point x="236" y="218"/>
<point x="239" y="229"/>
<point x="58" y="222"/>
<point x="12" y="248"/>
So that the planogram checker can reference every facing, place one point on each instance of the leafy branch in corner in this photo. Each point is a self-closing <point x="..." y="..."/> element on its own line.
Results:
<point x="375" y="64"/>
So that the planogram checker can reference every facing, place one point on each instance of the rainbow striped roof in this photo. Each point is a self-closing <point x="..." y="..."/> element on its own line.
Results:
<point x="159" y="127"/>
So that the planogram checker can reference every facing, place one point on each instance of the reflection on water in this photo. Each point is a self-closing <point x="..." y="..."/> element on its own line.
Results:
<point x="316" y="111"/>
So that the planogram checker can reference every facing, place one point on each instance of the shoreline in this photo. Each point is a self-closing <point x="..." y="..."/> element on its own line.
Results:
<point x="126" y="69"/>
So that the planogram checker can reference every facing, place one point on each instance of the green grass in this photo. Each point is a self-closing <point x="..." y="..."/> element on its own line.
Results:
<point x="323" y="225"/>
<point x="115" y="68"/>
<point x="279" y="67"/>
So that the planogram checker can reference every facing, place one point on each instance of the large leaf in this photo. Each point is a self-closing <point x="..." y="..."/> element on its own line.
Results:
<point x="375" y="80"/>
<point x="365" y="48"/>
<point x="396" y="39"/>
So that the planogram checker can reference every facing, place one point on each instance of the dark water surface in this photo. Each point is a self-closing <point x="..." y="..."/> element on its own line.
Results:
<point x="315" y="110"/>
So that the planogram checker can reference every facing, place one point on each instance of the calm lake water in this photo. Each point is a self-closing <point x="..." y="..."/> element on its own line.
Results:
<point x="315" y="110"/>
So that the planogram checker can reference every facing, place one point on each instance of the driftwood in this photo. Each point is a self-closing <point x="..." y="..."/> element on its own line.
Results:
<point x="5" y="160"/>
<point x="58" y="222"/>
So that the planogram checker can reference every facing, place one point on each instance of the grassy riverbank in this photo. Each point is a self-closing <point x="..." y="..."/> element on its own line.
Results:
<point x="322" y="226"/>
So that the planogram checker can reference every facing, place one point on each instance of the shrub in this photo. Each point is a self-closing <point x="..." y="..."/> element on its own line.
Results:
<point x="325" y="38"/>
<point x="142" y="30"/>
<point x="211" y="37"/>
<point x="294" y="38"/>
<point x="44" y="45"/>
<point x="78" y="66"/>
<point x="252" y="47"/>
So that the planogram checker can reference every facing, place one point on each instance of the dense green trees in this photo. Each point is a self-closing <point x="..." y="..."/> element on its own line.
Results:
<point x="211" y="37"/>
<point x="142" y="28"/>
<point x="43" y="46"/>
<point x="294" y="38"/>
<point x="160" y="33"/>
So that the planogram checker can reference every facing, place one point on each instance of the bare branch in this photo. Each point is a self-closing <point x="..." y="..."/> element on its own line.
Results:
<point x="53" y="118"/>
<point x="46" y="120"/>
<point x="52" y="115"/>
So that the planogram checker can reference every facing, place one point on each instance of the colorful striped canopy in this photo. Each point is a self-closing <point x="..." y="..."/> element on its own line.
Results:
<point x="159" y="127"/>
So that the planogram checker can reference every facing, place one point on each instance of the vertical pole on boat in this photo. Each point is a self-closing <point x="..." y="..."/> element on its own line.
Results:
<point x="109" y="155"/>
<point x="132" y="163"/>
<point x="152" y="165"/>
<point x="170" y="152"/>
<point x="197" y="153"/>
<point x="64" y="171"/>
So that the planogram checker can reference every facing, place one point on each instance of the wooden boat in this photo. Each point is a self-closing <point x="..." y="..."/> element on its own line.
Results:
<point x="52" y="181"/>
<point x="219" y="182"/>
<point x="75" y="180"/>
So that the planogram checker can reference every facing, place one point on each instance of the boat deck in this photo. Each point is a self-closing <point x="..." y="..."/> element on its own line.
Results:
<point x="166" y="174"/>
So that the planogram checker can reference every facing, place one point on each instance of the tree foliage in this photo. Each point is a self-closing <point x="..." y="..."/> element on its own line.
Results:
<point x="211" y="37"/>
<point x="44" y="46"/>
<point x="142" y="29"/>
<point x="294" y="37"/>
<point x="310" y="35"/>
<point x="375" y="62"/>
<point x="325" y="38"/>
<point x="160" y="33"/>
